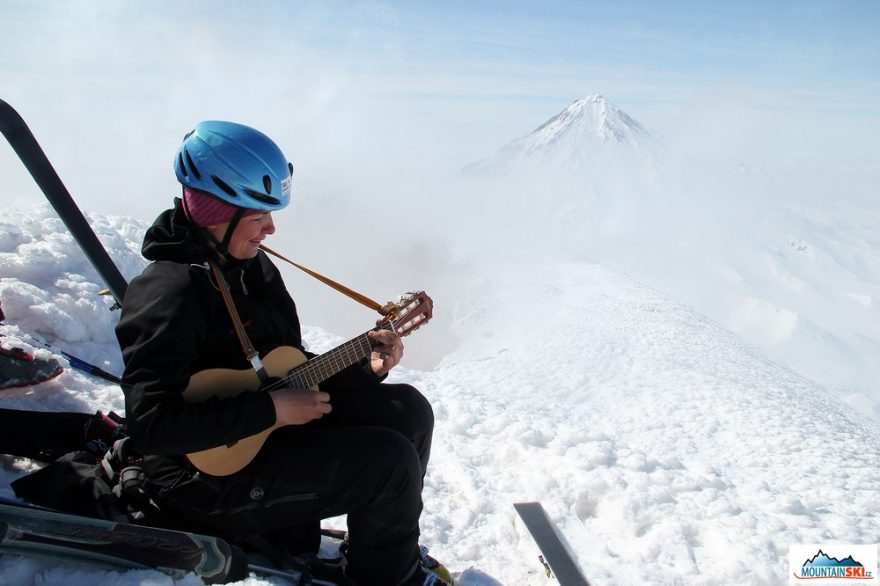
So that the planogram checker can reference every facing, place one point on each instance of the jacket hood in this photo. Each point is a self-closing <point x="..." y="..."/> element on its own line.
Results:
<point x="173" y="237"/>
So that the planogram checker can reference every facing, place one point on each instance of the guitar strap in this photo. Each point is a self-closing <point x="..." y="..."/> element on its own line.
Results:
<point x="389" y="310"/>
<point x="249" y="351"/>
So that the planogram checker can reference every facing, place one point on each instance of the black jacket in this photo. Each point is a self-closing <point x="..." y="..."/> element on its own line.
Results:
<point x="174" y="323"/>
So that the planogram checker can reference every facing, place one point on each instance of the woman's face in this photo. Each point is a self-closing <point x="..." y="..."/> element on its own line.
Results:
<point x="248" y="235"/>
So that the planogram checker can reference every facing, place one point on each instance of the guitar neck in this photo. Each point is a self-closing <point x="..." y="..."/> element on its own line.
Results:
<point x="322" y="367"/>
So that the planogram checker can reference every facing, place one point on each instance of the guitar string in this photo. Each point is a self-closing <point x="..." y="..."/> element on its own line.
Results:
<point x="302" y="374"/>
<point x="318" y="363"/>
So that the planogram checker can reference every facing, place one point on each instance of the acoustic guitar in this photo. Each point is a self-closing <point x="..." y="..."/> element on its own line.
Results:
<point x="292" y="369"/>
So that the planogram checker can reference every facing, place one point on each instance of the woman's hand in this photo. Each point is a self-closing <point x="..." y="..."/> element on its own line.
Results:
<point x="298" y="406"/>
<point x="388" y="353"/>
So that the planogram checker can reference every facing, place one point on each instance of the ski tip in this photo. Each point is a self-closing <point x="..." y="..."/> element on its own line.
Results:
<point x="555" y="556"/>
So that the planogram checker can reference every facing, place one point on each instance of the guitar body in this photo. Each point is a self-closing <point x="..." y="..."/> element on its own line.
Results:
<point x="228" y="382"/>
<point x="412" y="312"/>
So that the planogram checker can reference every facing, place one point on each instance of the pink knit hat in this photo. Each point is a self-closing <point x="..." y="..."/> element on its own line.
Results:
<point x="204" y="210"/>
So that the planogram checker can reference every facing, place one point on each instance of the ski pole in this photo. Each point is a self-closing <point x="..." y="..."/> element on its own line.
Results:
<point x="82" y="365"/>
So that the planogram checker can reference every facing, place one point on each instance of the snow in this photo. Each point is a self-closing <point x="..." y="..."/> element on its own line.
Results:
<point x="668" y="449"/>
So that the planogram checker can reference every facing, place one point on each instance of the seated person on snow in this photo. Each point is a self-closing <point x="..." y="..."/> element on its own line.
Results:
<point x="356" y="446"/>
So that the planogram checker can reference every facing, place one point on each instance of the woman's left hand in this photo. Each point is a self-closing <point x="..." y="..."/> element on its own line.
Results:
<point x="388" y="353"/>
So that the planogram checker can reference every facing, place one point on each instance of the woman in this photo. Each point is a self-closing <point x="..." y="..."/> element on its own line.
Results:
<point x="355" y="446"/>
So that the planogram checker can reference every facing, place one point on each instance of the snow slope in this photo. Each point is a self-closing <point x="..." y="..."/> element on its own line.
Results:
<point x="668" y="449"/>
<point x="776" y="253"/>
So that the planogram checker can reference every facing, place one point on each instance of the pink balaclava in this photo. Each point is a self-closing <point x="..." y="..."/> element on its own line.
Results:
<point x="204" y="210"/>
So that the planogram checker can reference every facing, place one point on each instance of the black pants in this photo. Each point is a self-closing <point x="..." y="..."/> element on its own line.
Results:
<point x="41" y="435"/>
<point x="367" y="459"/>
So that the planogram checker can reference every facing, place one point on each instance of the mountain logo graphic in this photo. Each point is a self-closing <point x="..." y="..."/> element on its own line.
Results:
<point x="823" y="559"/>
<point x="822" y="566"/>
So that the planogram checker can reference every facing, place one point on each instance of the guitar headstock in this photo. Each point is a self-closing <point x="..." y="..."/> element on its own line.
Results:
<point x="413" y="310"/>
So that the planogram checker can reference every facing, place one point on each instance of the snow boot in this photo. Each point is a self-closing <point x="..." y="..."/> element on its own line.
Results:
<point x="432" y="565"/>
<point x="428" y="572"/>
<point x="422" y="576"/>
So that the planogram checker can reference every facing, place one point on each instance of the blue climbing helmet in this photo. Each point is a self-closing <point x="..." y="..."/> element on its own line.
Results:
<point x="236" y="164"/>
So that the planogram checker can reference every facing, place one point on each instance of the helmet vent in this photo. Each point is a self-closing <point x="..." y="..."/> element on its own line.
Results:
<point x="266" y="199"/>
<point x="182" y="166"/>
<point x="224" y="186"/>
<point x="290" y="166"/>
<point x="192" y="166"/>
<point x="267" y="183"/>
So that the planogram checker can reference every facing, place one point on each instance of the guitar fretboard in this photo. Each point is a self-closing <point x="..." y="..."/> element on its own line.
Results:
<point x="322" y="367"/>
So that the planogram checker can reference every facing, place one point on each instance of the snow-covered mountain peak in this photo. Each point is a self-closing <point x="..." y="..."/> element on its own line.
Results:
<point x="583" y="135"/>
<point x="592" y="119"/>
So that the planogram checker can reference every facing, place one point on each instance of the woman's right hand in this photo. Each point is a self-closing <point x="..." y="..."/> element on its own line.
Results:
<point x="298" y="406"/>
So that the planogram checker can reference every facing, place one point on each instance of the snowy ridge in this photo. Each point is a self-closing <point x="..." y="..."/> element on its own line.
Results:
<point x="668" y="449"/>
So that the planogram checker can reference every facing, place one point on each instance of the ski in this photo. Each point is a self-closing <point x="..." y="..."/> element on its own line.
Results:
<point x="35" y="531"/>
<point x="23" y="142"/>
<point x="29" y="530"/>
<point x="544" y="532"/>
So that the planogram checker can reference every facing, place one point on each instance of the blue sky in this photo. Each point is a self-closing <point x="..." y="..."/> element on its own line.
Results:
<point x="773" y="42"/>
<point x="371" y="81"/>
